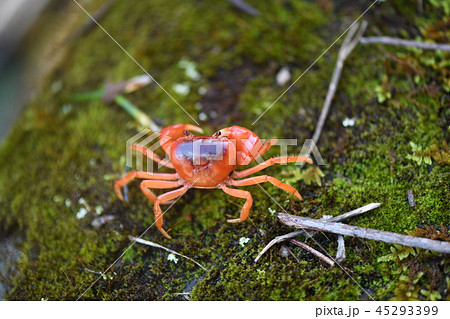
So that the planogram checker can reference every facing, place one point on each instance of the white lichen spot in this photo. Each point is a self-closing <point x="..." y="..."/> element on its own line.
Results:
<point x="92" y="162"/>
<point x="66" y="108"/>
<point x="82" y="213"/>
<point x="44" y="299"/>
<point x="98" y="209"/>
<point x="202" y="116"/>
<point x="83" y="202"/>
<point x="283" y="76"/>
<point x="243" y="241"/>
<point x="182" y="88"/>
<point x="189" y="69"/>
<point x="348" y="122"/>
<point x="67" y="202"/>
<point x="172" y="257"/>
<point x="272" y="211"/>
<point x="202" y="90"/>
<point x="56" y="86"/>
<point x="192" y="73"/>
<point x="213" y="114"/>
<point x="57" y="199"/>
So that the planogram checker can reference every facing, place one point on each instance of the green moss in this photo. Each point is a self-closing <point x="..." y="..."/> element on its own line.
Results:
<point x="62" y="151"/>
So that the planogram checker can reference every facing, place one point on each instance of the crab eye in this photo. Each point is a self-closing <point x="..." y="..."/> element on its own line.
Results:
<point x="188" y="134"/>
<point x="217" y="134"/>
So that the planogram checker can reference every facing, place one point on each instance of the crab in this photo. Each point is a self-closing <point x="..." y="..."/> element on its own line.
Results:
<point x="206" y="162"/>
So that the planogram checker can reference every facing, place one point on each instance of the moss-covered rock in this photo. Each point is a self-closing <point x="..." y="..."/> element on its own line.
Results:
<point x="62" y="157"/>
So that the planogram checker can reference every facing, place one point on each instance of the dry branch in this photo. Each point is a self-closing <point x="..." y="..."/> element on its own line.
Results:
<point x="405" y="43"/>
<point x="367" y="233"/>
<point x="347" y="47"/>
<point x="309" y="234"/>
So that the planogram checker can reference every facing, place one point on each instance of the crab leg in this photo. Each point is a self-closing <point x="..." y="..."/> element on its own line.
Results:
<point x="265" y="147"/>
<point x="270" y="162"/>
<point x="263" y="179"/>
<point x="139" y="174"/>
<point x="248" y="203"/>
<point x="164" y="198"/>
<point x="146" y="185"/>
<point x="151" y="155"/>
<point x="170" y="134"/>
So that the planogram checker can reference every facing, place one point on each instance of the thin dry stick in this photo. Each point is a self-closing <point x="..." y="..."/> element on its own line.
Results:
<point x="149" y="243"/>
<point x="245" y="7"/>
<point x="405" y="43"/>
<point x="338" y="218"/>
<point x="347" y="47"/>
<point x="367" y="233"/>
<point x="313" y="251"/>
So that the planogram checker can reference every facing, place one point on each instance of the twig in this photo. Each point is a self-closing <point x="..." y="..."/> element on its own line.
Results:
<point x="354" y="212"/>
<point x="367" y="233"/>
<point x="292" y="254"/>
<point x="405" y="43"/>
<point x="347" y="47"/>
<point x="313" y="251"/>
<point x="338" y="218"/>
<point x="245" y="7"/>
<point x="149" y="243"/>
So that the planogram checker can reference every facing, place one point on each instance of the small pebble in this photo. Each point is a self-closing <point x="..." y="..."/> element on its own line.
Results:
<point x="340" y="255"/>
<point x="410" y="196"/>
<point x="283" y="76"/>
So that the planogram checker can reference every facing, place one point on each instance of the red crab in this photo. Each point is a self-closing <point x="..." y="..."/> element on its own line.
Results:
<point x="207" y="162"/>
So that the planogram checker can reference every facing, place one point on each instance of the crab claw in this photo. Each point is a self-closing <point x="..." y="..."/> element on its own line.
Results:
<point x="170" y="134"/>
<point x="247" y="143"/>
